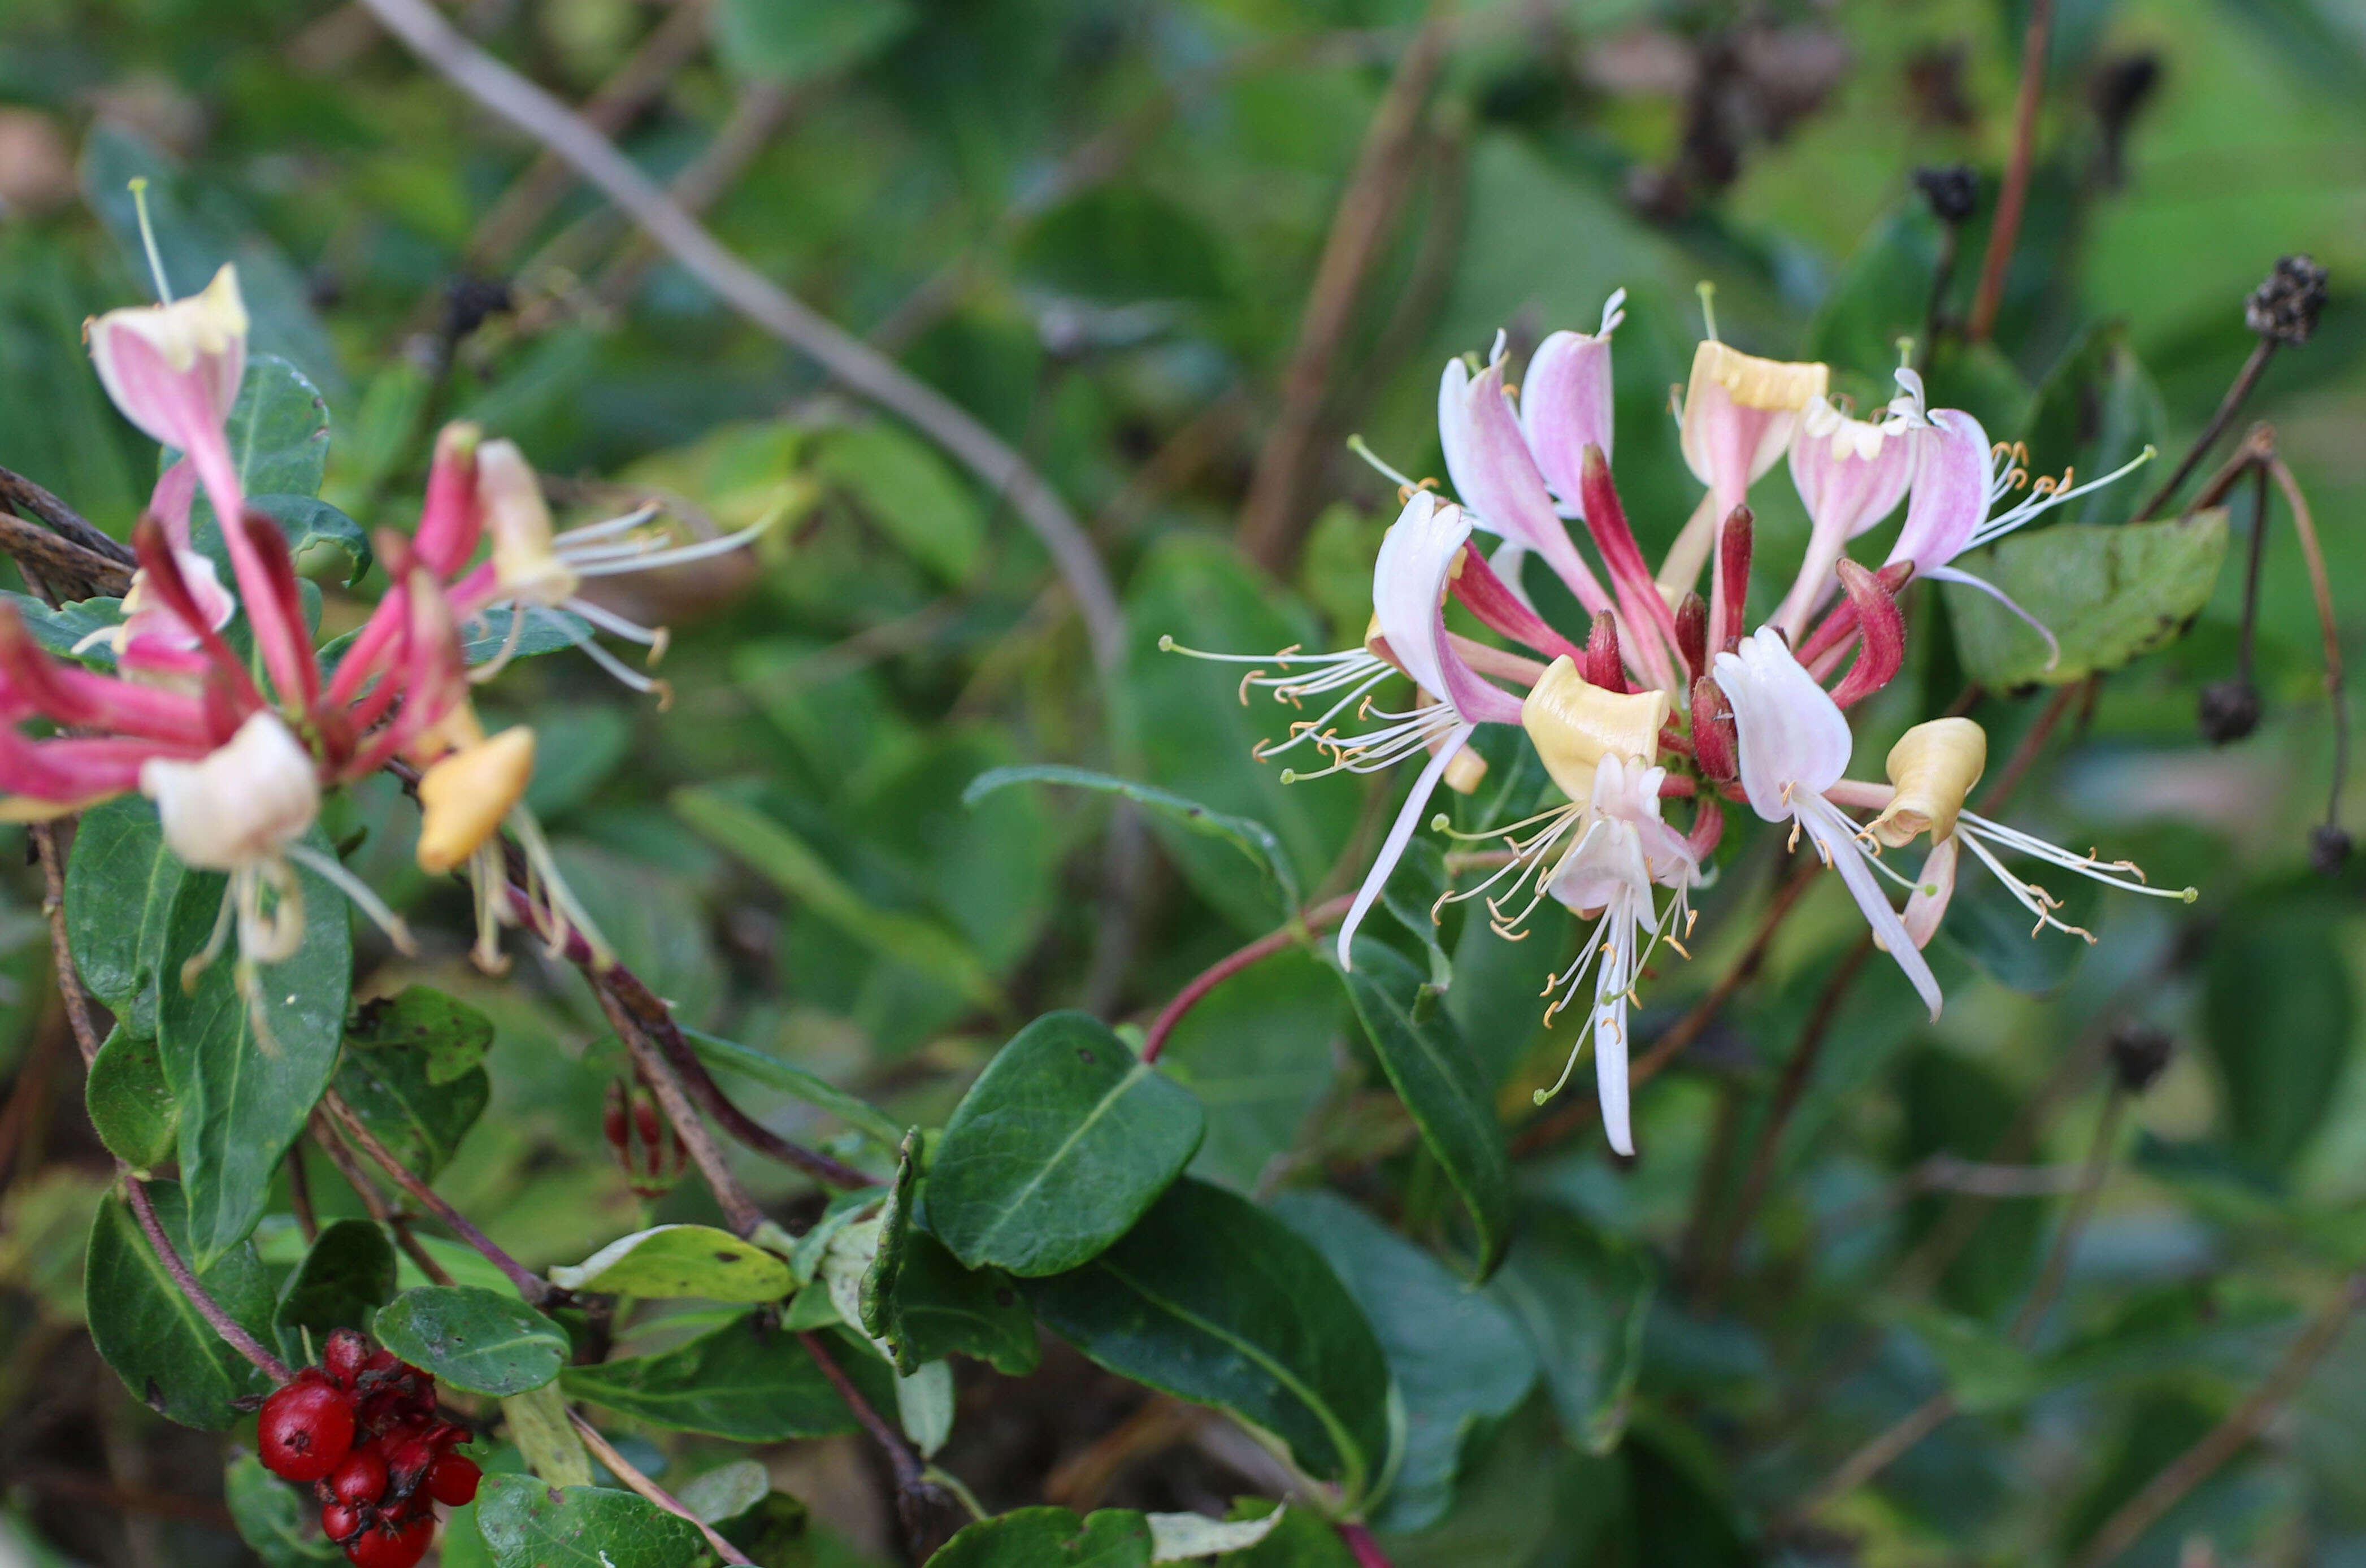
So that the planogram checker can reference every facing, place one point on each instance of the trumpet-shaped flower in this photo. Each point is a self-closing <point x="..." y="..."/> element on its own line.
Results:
<point x="1493" y="472"/>
<point x="1739" y="414"/>
<point x="1794" y="745"/>
<point x="1850" y="473"/>
<point x="1609" y="873"/>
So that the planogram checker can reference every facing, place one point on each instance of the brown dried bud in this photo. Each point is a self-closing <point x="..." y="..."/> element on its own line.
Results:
<point x="2230" y="710"/>
<point x="2328" y="848"/>
<point x="2285" y="309"/>
<point x="2139" y="1054"/>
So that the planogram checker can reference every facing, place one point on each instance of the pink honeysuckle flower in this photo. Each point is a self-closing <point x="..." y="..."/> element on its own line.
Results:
<point x="1960" y="479"/>
<point x="1487" y="457"/>
<point x="1566" y="403"/>
<point x="1795" y="745"/>
<point x="1850" y="473"/>
<point x="1609" y="873"/>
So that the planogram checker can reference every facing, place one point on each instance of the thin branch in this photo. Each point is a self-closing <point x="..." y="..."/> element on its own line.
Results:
<point x="299" y="1193"/>
<point x="233" y="1332"/>
<point x="1359" y="1542"/>
<point x="628" y="1472"/>
<point x="54" y="906"/>
<point x="29" y="500"/>
<point x="2056" y="1269"/>
<point x="374" y="1201"/>
<point x="531" y="1286"/>
<point x="2320" y="583"/>
<point x="2228" y="407"/>
<point x="916" y="1496"/>
<point x="58" y="555"/>
<point x="2009" y="200"/>
<point x="856" y="364"/>
<point x="740" y="1210"/>
<point x="1302" y="929"/>
<point x="1270" y="526"/>
<point x="2223" y="1441"/>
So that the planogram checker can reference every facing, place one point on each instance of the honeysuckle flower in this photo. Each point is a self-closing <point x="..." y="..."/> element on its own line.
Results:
<point x="1794" y="745"/>
<point x="1739" y="414"/>
<point x="1959" y="480"/>
<point x="1497" y="478"/>
<point x="1850" y="473"/>
<point x="1931" y="769"/>
<point x="535" y="571"/>
<point x="174" y="370"/>
<point x="1609" y="873"/>
<point x="1566" y="403"/>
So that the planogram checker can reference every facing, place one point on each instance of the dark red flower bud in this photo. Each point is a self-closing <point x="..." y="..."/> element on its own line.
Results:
<point x="1716" y="745"/>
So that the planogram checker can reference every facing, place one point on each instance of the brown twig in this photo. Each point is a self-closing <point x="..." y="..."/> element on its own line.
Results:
<point x="740" y="1210"/>
<point x="2320" y="585"/>
<point x="845" y="356"/>
<point x="2006" y="227"/>
<point x="1270" y="525"/>
<point x="626" y="1472"/>
<point x="1302" y="929"/>
<point x="2228" y="406"/>
<point x="2223" y="1441"/>
<point x="915" y="1495"/>
<point x="57" y="556"/>
<point x="375" y="1202"/>
<point x="531" y="1286"/>
<point x="29" y="500"/>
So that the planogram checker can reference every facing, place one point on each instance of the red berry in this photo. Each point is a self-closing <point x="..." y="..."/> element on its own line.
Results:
<point x="452" y="1480"/>
<point x="339" y="1523"/>
<point x="392" y="1545"/>
<point x="360" y="1479"/>
<point x="406" y="1462"/>
<point x="344" y="1356"/>
<point x="305" y="1431"/>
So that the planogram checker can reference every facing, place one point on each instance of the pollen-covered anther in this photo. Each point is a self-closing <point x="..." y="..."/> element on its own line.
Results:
<point x="1575" y="724"/>
<point x="1933" y="767"/>
<point x="463" y="798"/>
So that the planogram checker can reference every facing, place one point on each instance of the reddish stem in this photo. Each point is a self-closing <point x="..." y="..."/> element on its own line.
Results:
<point x="1990" y="298"/>
<point x="1359" y="1542"/>
<point x="229" y="1328"/>
<point x="1232" y="963"/>
<point x="531" y="1286"/>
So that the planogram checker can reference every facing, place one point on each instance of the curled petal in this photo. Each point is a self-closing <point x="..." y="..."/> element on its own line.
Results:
<point x="1850" y="473"/>
<point x="1565" y="407"/>
<point x="242" y="803"/>
<point x="174" y="370"/>
<point x="71" y="773"/>
<point x="1603" y="668"/>
<point x="1932" y="767"/>
<point x="1709" y="828"/>
<point x="1884" y="631"/>
<point x="1496" y="477"/>
<point x="1835" y="840"/>
<point x="1793" y="740"/>
<point x="170" y="503"/>
<point x="1648" y="619"/>
<point x="1401" y="833"/>
<point x="1950" y="574"/>
<point x="1927" y="905"/>
<point x="274" y="605"/>
<point x="1951" y="491"/>
<point x="1739" y="412"/>
<point x="70" y="694"/>
<point x="452" y="520"/>
<point x="1575" y="725"/>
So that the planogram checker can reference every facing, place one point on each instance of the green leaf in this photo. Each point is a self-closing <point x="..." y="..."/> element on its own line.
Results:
<point x="529" y="1524"/>
<point x="789" y="865"/>
<point x="2108" y="594"/>
<point x="740" y="1381"/>
<point x="475" y="1339"/>
<point x="923" y="1306"/>
<point x="1057" y="1148"/>
<point x="1050" y="1537"/>
<point x="790" y="1078"/>
<point x="409" y="1073"/>
<point x="726" y="1490"/>
<point x="905" y="489"/>
<point x="346" y="1277"/>
<point x="244" y="1098"/>
<point x="1186" y="1537"/>
<point x="1258" y="1054"/>
<point x="1121" y="244"/>
<point x="160" y="1345"/>
<point x="275" y="1519"/>
<point x="681" y="1260"/>
<point x="120" y="882"/>
<point x="2278" y="1014"/>
<point x="2096" y="411"/>
<point x="1183" y="717"/>
<point x="132" y="1107"/>
<point x="1460" y="1361"/>
<point x="452" y="1036"/>
<point x="1213" y="1300"/>
<point x="320" y="537"/>
<point x="1583" y="1295"/>
<point x="766" y="39"/>
<point x="1252" y="838"/>
<point x="1422" y="1054"/>
<point x="553" y="1448"/>
<point x="63" y="631"/>
<point x="279" y="433"/>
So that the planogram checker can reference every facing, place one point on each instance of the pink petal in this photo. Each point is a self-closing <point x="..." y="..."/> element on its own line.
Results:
<point x="1951" y="491"/>
<point x="1565" y="407"/>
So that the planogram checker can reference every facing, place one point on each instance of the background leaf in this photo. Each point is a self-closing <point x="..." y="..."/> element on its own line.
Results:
<point x="132" y="1107"/>
<point x="346" y="1277"/>
<point x="159" y="1344"/>
<point x="742" y="1381"/>
<point x="679" y="1261"/>
<point x="529" y="1524"/>
<point x="121" y="884"/>
<point x="474" y="1339"/>
<point x="2108" y="594"/>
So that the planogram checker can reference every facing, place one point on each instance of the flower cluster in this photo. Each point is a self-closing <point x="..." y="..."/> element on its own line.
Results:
<point x="238" y="754"/>
<point x="361" y="1429"/>
<point x="1671" y="695"/>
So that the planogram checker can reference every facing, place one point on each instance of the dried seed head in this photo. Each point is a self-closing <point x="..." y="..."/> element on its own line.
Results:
<point x="2328" y="848"/>
<point x="1953" y="191"/>
<point x="2140" y="1052"/>
<point x="2229" y="710"/>
<point x="2285" y="309"/>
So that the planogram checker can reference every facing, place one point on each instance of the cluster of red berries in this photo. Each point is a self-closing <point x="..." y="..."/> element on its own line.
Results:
<point x="361" y="1428"/>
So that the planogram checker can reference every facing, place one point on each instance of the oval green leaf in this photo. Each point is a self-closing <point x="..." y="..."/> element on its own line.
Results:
<point x="162" y="1347"/>
<point x="2109" y="594"/>
<point x="475" y="1339"/>
<point x="409" y="1072"/>
<point x="347" y="1274"/>
<point x="274" y="1517"/>
<point x="1059" y="1146"/>
<point x="681" y="1260"/>
<point x="131" y="1106"/>
<point x="526" y="1524"/>
<point x="120" y="882"/>
<point x="742" y="1381"/>
<point x="1422" y="1054"/>
<point x="1583" y="1295"/>
<point x="1050" y="1537"/>
<point x="1213" y="1300"/>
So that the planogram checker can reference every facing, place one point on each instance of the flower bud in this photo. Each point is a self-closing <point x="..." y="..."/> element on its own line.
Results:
<point x="2229" y="710"/>
<point x="1717" y="745"/>
<point x="1934" y="766"/>
<point x="464" y="798"/>
<point x="240" y="805"/>
<point x="1575" y="724"/>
